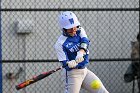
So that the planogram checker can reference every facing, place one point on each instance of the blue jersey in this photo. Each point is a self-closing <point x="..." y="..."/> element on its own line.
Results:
<point x="67" y="47"/>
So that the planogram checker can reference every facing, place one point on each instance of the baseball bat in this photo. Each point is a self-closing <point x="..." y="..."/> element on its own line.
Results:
<point x="36" y="78"/>
<point x="41" y="76"/>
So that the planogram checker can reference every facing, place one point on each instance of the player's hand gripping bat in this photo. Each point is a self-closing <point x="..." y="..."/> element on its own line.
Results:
<point x="41" y="76"/>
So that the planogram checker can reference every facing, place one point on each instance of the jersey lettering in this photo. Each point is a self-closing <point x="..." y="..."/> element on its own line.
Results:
<point x="74" y="48"/>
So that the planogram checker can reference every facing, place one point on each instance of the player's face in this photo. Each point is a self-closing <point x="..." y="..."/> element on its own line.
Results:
<point x="72" y="31"/>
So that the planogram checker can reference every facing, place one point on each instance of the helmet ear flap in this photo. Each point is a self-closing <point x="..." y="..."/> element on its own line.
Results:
<point x="64" y="29"/>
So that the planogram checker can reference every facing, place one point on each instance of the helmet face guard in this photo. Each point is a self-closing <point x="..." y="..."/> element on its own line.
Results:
<point x="68" y="20"/>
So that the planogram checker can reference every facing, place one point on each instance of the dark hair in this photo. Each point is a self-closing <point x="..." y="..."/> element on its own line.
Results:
<point x="138" y="37"/>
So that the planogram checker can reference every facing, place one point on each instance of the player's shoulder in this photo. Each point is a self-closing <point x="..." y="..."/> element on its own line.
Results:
<point x="60" y="41"/>
<point x="81" y="30"/>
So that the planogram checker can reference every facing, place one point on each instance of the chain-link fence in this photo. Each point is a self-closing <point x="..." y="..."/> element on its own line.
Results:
<point x="30" y="28"/>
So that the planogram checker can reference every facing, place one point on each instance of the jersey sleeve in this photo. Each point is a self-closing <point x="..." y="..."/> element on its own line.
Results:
<point x="83" y="35"/>
<point x="61" y="54"/>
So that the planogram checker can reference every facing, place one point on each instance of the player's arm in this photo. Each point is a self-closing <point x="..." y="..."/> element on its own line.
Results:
<point x="83" y="44"/>
<point x="84" y="40"/>
<point x="83" y="48"/>
<point x="62" y="57"/>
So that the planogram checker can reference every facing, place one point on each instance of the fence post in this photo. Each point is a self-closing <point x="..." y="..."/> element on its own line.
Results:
<point x="0" y="54"/>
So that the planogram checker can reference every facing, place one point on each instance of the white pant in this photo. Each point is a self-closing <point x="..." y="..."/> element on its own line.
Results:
<point x="77" y="78"/>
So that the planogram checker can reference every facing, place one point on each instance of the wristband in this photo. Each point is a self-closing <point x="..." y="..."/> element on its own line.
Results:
<point x="83" y="46"/>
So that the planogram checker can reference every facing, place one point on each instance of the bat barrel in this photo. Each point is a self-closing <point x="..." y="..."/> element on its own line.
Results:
<point x="36" y="78"/>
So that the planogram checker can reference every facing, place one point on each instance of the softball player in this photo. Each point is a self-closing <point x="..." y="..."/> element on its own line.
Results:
<point x="72" y="52"/>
